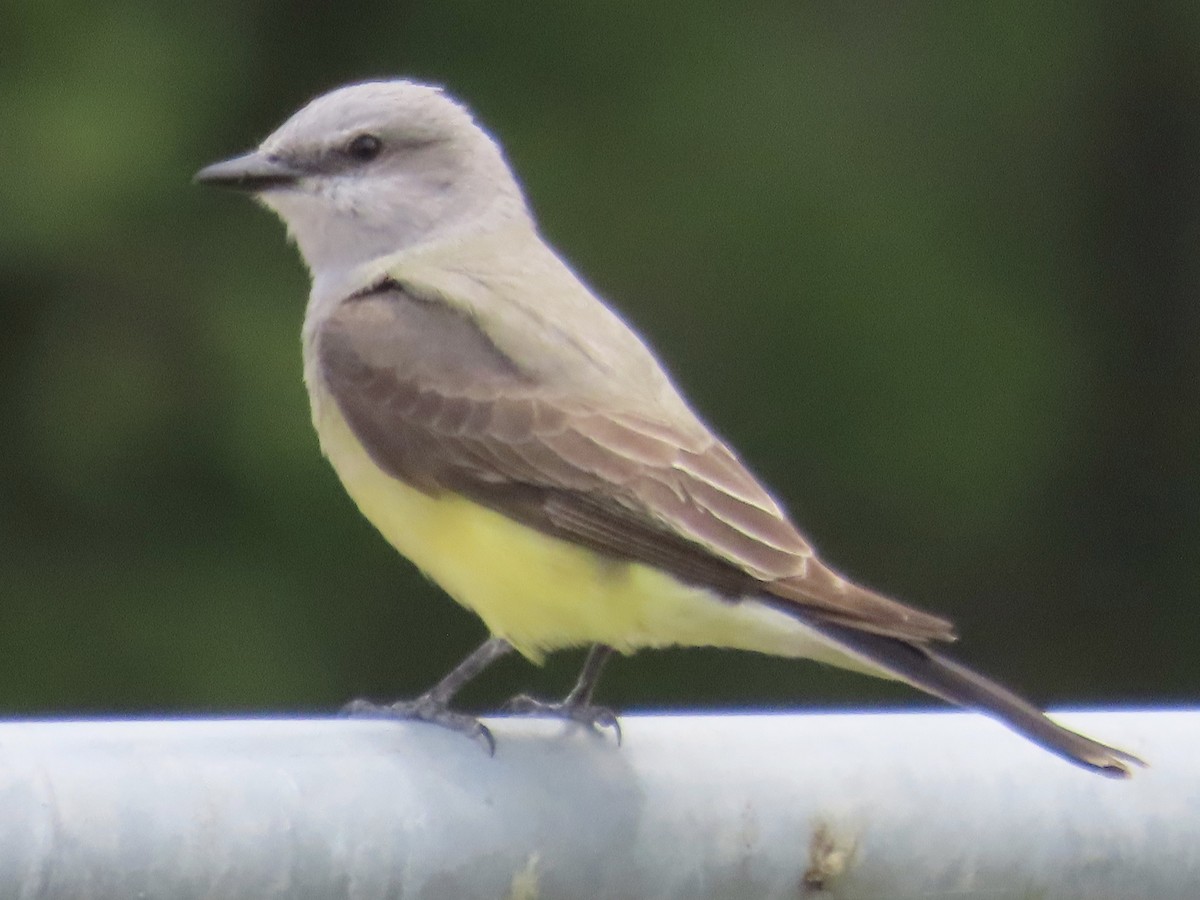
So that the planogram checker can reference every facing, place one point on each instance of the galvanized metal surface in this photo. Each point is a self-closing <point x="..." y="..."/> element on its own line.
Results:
<point x="714" y="806"/>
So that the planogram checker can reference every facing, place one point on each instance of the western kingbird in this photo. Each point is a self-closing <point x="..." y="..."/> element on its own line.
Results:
<point x="516" y="440"/>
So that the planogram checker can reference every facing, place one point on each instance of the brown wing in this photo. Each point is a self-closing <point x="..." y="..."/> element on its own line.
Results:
<point x="439" y="406"/>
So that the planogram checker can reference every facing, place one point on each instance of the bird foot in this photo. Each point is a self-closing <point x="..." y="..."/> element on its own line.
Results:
<point x="595" y="717"/>
<point x="423" y="709"/>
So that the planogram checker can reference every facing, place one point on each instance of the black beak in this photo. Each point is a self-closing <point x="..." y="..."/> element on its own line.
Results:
<point x="251" y="172"/>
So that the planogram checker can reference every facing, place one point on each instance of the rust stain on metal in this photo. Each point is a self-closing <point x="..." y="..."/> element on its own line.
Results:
<point x="525" y="883"/>
<point x="829" y="855"/>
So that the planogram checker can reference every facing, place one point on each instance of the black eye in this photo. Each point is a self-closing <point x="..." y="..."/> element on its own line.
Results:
<point x="364" y="147"/>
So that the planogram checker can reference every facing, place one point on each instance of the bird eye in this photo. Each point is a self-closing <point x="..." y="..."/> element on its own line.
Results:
<point x="364" y="147"/>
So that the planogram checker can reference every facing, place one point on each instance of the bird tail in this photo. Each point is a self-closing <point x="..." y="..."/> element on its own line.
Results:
<point x="941" y="676"/>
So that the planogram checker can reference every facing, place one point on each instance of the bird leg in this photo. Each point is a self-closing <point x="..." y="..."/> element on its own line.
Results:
<point x="577" y="705"/>
<point x="434" y="705"/>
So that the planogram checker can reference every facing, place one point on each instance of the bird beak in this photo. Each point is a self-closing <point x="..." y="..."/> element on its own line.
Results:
<point x="252" y="172"/>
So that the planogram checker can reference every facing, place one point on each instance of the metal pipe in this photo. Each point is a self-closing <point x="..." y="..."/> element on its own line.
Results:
<point x="690" y="806"/>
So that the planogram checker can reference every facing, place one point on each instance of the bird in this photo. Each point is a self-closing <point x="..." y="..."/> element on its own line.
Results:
<point x="511" y="435"/>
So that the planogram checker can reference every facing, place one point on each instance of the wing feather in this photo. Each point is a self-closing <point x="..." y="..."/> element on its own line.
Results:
<point x="438" y="405"/>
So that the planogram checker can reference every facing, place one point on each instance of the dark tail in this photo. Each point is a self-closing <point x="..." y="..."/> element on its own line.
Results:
<point x="928" y="670"/>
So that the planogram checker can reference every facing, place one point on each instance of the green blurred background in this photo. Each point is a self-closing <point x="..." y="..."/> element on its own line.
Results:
<point x="933" y="268"/>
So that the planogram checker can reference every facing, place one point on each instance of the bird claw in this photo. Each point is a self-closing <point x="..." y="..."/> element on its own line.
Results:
<point x="423" y="709"/>
<point x="594" y="717"/>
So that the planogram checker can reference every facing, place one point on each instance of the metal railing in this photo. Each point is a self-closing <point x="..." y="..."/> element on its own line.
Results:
<point x="689" y="806"/>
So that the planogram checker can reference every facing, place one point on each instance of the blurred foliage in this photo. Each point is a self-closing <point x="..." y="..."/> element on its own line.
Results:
<point x="932" y="268"/>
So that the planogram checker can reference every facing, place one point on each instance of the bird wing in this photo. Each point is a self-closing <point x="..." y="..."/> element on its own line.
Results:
<point x="439" y="406"/>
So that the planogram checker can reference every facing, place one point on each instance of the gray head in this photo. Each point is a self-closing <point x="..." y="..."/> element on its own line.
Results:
<point x="371" y="168"/>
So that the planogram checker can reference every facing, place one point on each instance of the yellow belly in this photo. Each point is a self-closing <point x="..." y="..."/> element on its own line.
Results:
<point x="541" y="593"/>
